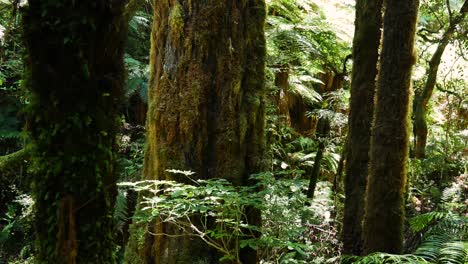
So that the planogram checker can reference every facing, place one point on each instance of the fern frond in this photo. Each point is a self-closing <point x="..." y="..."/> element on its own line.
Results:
<point x="442" y="249"/>
<point x="444" y="237"/>
<point x="420" y="222"/>
<point x="383" y="258"/>
<point x="120" y="211"/>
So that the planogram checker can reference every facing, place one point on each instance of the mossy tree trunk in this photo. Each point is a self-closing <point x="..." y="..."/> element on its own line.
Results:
<point x="366" y="44"/>
<point x="384" y="207"/>
<point x="422" y="99"/>
<point x="206" y="108"/>
<point x="75" y="74"/>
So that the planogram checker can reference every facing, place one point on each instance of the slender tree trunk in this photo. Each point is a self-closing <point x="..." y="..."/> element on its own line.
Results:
<point x="365" y="53"/>
<point x="206" y="108"/>
<point x="384" y="210"/>
<point x="422" y="99"/>
<point x="323" y="129"/>
<point x="75" y="75"/>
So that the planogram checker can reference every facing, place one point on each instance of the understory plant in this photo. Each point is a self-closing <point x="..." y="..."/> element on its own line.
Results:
<point x="214" y="211"/>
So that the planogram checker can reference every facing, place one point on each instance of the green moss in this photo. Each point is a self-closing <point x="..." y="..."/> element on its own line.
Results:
<point x="176" y="22"/>
<point x="135" y="249"/>
<point x="12" y="161"/>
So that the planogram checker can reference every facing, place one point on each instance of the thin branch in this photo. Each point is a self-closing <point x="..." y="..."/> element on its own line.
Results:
<point x="435" y="15"/>
<point x="449" y="9"/>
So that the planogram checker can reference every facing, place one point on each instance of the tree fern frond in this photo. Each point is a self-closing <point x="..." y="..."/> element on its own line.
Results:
<point x="383" y="258"/>
<point x="302" y="89"/>
<point x="454" y="252"/>
<point x="420" y="222"/>
<point x="287" y="9"/>
<point x="120" y="211"/>
<point x="442" y="249"/>
<point x="444" y="237"/>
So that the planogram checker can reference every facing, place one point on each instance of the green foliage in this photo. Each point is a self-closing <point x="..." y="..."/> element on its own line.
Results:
<point x="383" y="258"/>
<point x="12" y="96"/>
<point x="295" y="229"/>
<point x="9" y="123"/>
<point x="442" y="249"/>
<point x="214" y="210"/>
<point x="120" y="211"/>
<point x="137" y="58"/>
<point x="131" y="142"/>
<point x="137" y="80"/>
<point x="180" y="204"/>
<point x="301" y="85"/>
<point x="296" y="154"/>
<point x="139" y="29"/>
<point x="16" y="235"/>
<point x="298" y="34"/>
<point x="444" y="237"/>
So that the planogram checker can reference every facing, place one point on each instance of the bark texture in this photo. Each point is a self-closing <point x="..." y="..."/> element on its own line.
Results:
<point x="384" y="211"/>
<point x="75" y="75"/>
<point x="422" y="99"/>
<point x="368" y="25"/>
<point x="206" y="108"/>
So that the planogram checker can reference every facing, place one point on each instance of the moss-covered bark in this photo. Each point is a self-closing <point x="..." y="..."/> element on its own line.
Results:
<point x="11" y="162"/>
<point x="384" y="211"/>
<point x="206" y="108"/>
<point x="12" y="172"/>
<point x="422" y="99"/>
<point x="366" y="44"/>
<point x="75" y="75"/>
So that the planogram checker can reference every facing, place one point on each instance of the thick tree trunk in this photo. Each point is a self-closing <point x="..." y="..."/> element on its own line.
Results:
<point x="206" y="108"/>
<point x="384" y="211"/>
<point x="366" y="44"/>
<point x="422" y="99"/>
<point x="75" y="75"/>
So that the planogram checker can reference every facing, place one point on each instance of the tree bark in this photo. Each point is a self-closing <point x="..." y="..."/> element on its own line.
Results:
<point x="422" y="99"/>
<point x="75" y="75"/>
<point x="366" y="44"/>
<point x="206" y="109"/>
<point x="384" y="207"/>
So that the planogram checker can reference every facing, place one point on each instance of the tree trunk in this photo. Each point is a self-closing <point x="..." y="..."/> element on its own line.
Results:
<point x="206" y="108"/>
<point x="323" y="130"/>
<point x="422" y="99"/>
<point x="367" y="34"/>
<point x="75" y="75"/>
<point x="384" y="208"/>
